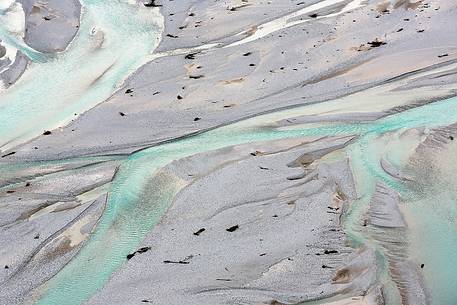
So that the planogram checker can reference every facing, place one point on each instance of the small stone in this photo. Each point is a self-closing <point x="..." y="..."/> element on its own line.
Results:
<point x="199" y="231"/>
<point x="232" y="228"/>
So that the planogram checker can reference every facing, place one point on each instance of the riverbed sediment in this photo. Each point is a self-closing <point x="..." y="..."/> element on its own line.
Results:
<point x="263" y="153"/>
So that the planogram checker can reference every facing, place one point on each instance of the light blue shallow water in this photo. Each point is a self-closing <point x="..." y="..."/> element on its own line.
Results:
<point x="136" y="202"/>
<point x="114" y="39"/>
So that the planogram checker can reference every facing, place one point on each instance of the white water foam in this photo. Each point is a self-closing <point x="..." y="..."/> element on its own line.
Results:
<point x="284" y="22"/>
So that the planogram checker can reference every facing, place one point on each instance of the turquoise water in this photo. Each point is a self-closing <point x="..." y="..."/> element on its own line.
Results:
<point x="140" y="195"/>
<point x="114" y="39"/>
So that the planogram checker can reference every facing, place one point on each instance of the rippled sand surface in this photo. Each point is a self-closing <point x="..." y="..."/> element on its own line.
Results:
<point x="244" y="152"/>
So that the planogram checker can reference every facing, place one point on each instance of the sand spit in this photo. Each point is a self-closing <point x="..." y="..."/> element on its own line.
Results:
<point x="57" y="212"/>
<point x="264" y="216"/>
<point x="51" y="24"/>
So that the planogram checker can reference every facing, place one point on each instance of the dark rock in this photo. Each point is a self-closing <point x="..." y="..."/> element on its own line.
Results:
<point x="376" y="43"/>
<point x="46" y="133"/>
<point x="176" y="262"/>
<point x="313" y="15"/>
<point x="9" y="154"/>
<point x="197" y="119"/>
<point x="190" y="56"/>
<point x="325" y="266"/>
<point x="196" y="76"/>
<point x="121" y="113"/>
<point x="139" y="251"/>
<point x="143" y="249"/>
<point x="199" y="231"/>
<point x="330" y="252"/>
<point x="232" y="228"/>
<point x="152" y="3"/>
<point x="128" y="91"/>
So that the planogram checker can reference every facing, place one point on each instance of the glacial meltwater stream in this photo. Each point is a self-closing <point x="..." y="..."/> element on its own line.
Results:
<point x="137" y="200"/>
<point x="103" y="54"/>
<point x="100" y="57"/>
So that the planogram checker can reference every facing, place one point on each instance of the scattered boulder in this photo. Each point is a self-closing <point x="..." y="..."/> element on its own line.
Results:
<point x="152" y="3"/>
<point x="232" y="228"/>
<point x="196" y="76"/>
<point x="330" y="252"/>
<point x="190" y="56"/>
<point x="200" y="231"/>
<point x="376" y="43"/>
<point x="182" y="262"/>
<point x="9" y="154"/>
<point x="143" y="250"/>
<point x="139" y="251"/>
